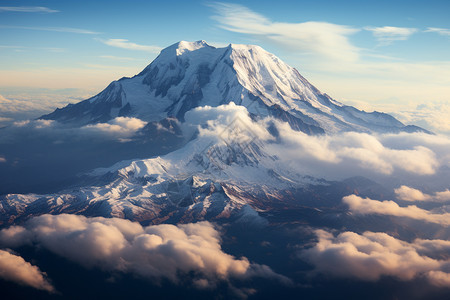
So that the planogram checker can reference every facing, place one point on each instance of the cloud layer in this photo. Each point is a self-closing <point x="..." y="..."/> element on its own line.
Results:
<point x="154" y="252"/>
<point x="343" y="155"/>
<point x="371" y="255"/>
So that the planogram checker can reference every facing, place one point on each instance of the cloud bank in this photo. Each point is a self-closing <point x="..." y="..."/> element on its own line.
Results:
<point x="371" y="255"/>
<point x="154" y="252"/>
<point x="14" y="268"/>
<point x="378" y="156"/>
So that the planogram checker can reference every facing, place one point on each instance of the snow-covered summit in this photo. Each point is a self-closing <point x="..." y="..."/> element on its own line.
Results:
<point x="187" y="75"/>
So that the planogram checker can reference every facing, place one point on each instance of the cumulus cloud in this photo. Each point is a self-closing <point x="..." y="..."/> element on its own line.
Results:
<point x="342" y="155"/>
<point x="229" y="122"/>
<point x="33" y="9"/>
<point x="125" y="44"/>
<point x="352" y="151"/>
<point x="388" y="34"/>
<point x="407" y="193"/>
<point x="371" y="255"/>
<point x="360" y="205"/>
<point x="122" y="127"/>
<point x="329" y="40"/>
<point x="154" y="252"/>
<point x="14" y="268"/>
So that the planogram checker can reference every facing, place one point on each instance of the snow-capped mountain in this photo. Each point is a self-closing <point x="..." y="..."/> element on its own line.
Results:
<point x="192" y="74"/>
<point x="223" y="170"/>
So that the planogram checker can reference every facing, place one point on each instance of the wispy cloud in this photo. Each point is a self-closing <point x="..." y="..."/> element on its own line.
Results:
<point x="23" y="48"/>
<point x="386" y="35"/>
<point x="56" y="29"/>
<point x="125" y="44"/>
<point x="32" y="9"/>
<point x="441" y="31"/>
<point x="327" y="39"/>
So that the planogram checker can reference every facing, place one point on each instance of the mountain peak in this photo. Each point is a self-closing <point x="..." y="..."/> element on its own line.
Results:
<point x="182" y="46"/>
<point x="187" y="75"/>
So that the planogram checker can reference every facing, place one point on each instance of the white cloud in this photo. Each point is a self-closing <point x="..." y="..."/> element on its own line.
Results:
<point x="125" y="44"/>
<point x="2" y="159"/>
<point x="154" y="252"/>
<point x="364" y="206"/>
<point x="33" y="9"/>
<point x="441" y="31"/>
<point x="55" y="29"/>
<point x="14" y="268"/>
<point x="407" y="193"/>
<point x="342" y="155"/>
<point x="220" y="118"/>
<point x="433" y="115"/>
<point x="388" y="34"/>
<point x="327" y="39"/>
<point x="371" y="255"/>
<point x="354" y="150"/>
<point x="122" y="127"/>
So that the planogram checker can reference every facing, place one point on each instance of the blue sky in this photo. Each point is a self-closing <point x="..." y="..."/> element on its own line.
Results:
<point x="386" y="55"/>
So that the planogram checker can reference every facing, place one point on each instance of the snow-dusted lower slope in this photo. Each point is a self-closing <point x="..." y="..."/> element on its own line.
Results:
<point x="206" y="179"/>
<point x="192" y="74"/>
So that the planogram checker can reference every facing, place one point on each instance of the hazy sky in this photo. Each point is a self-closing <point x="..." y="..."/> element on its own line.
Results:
<point x="386" y="55"/>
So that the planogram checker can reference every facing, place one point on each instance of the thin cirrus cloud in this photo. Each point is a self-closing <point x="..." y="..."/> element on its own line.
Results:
<point x="54" y="29"/>
<point x="327" y="39"/>
<point x="126" y="44"/>
<point x="389" y="34"/>
<point x="153" y="252"/>
<point x="371" y="255"/>
<point x="359" y="205"/>
<point x="441" y="31"/>
<point x="14" y="268"/>
<point x="31" y="9"/>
